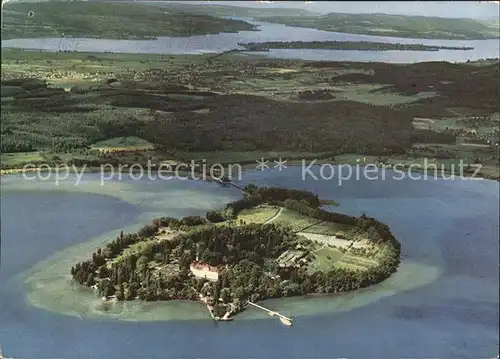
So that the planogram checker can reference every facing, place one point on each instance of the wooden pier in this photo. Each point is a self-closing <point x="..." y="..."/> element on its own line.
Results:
<point x="285" y="320"/>
<point x="209" y="308"/>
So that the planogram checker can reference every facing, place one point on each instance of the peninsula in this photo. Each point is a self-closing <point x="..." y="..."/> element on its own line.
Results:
<point x="273" y="243"/>
<point x="345" y="45"/>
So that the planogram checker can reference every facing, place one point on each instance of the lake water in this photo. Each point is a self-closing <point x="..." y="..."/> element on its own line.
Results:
<point x="271" y="32"/>
<point x="443" y="302"/>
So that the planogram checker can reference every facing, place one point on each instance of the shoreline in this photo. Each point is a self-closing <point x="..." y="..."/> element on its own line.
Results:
<point x="246" y="167"/>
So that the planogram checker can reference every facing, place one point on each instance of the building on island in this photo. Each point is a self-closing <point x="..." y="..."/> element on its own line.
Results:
<point x="203" y="270"/>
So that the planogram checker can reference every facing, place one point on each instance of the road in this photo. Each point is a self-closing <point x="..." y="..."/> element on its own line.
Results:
<point x="275" y="216"/>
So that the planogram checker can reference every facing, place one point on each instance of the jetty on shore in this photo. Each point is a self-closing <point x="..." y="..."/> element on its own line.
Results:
<point x="285" y="320"/>
<point x="207" y="302"/>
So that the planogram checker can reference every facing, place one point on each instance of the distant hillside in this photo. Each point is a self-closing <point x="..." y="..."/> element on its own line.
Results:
<point x="227" y="10"/>
<point x="110" y="20"/>
<point x="394" y="25"/>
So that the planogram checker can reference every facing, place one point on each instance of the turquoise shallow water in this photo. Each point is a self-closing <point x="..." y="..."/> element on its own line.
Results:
<point x="442" y="303"/>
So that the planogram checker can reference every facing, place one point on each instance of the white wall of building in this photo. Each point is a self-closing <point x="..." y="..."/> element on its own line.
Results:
<point x="205" y="274"/>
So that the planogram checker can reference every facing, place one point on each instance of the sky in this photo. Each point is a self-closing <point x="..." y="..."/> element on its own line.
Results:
<point x="472" y="9"/>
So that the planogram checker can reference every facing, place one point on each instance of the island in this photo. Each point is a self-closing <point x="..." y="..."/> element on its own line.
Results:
<point x="345" y="45"/>
<point x="105" y="20"/>
<point x="275" y="242"/>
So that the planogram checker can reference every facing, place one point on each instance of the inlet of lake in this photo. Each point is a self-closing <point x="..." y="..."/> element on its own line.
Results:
<point x="442" y="302"/>
<point x="218" y="43"/>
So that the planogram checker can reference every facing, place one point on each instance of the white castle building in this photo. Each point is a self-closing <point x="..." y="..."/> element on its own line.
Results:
<point x="203" y="270"/>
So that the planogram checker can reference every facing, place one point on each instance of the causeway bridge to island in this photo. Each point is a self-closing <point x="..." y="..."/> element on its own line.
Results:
<point x="226" y="183"/>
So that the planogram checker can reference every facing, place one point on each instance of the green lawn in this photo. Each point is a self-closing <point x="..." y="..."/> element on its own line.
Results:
<point x="457" y="123"/>
<point x="327" y="258"/>
<point x="257" y="215"/>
